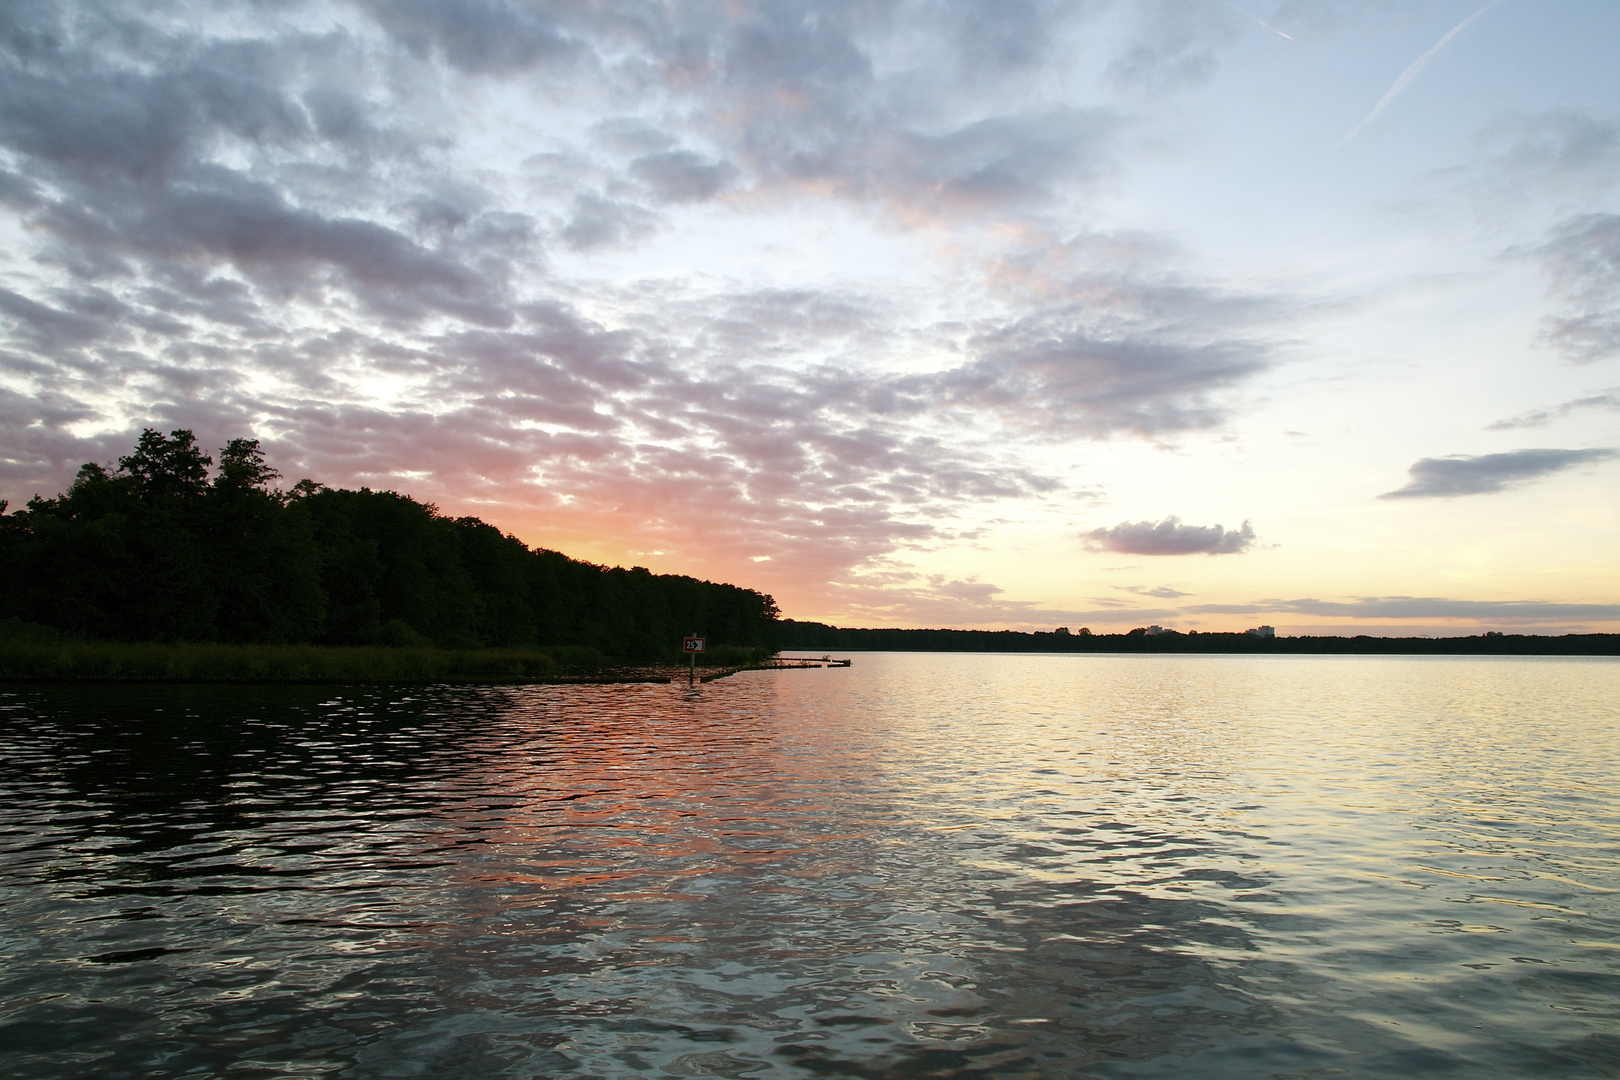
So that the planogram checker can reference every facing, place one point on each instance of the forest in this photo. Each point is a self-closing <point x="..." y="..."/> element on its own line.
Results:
<point x="159" y="550"/>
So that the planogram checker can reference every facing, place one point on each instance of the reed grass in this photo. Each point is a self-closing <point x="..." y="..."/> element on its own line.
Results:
<point x="97" y="661"/>
<point x="31" y="652"/>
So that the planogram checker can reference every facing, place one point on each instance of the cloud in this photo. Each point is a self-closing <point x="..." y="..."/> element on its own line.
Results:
<point x="50" y="329"/>
<point x="680" y="176"/>
<point x="258" y="154"/>
<point x="1604" y="399"/>
<point x="1175" y="45"/>
<point x="1583" y="262"/>
<point x="595" y="221"/>
<point x="1556" y="146"/>
<point x="977" y="592"/>
<point x="1444" y="478"/>
<point x="798" y="98"/>
<point x="1109" y="342"/>
<point x="1170" y="537"/>
<point x="479" y="36"/>
<point x="1161" y="592"/>
<point x="1421" y="607"/>
<point x="1053" y="371"/>
<point x="796" y="94"/>
<point x="901" y="598"/>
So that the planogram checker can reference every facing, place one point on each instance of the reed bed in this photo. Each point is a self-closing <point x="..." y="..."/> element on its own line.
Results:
<point x="35" y="653"/>
<point x="98" y="661"/>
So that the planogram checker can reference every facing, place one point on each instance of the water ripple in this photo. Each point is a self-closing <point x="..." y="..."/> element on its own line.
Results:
<point x="922" y="866"/>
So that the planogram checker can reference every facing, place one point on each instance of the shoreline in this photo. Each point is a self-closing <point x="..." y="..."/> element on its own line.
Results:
<point x="611" y="678"/>
<point x="41" y="659"/>
<point x="67" y="661"/>
<point x="655" y="674"/>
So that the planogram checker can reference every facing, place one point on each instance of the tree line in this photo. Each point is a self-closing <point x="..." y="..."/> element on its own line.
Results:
<point x="156" y="549"/>
<point x="813" y="635"/>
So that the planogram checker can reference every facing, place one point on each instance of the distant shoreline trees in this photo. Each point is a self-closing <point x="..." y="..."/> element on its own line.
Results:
<point x="795" y="635"/>
<point x="156" y="550"/>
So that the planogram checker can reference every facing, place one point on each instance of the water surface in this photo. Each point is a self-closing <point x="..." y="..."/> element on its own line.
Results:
<point x="922" y="866"/>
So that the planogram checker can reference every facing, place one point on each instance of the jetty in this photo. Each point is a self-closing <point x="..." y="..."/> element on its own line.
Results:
<point x="777" y="663"/>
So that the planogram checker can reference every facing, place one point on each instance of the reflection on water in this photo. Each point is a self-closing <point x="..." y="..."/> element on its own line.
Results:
<point x="923" y="866"/>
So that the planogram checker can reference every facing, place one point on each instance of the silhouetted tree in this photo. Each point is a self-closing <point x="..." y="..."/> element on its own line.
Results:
<point x="154" y="550"/>
<point x="263" y="547"/>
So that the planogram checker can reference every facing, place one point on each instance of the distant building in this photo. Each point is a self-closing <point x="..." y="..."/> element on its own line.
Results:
<point x="1262" y="631"/>
<point x="1155" y="631"/>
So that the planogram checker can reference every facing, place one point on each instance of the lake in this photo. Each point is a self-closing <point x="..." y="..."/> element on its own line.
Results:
<point x="922" y="866"/>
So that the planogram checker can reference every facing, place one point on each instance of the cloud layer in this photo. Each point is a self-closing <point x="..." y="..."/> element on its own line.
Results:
<point x="795" y="294"/>
<point x="342" y="227"/>
<point x="1422" y="607"/>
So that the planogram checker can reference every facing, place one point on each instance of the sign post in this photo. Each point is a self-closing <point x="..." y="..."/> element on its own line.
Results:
<point x="692" y="645"/>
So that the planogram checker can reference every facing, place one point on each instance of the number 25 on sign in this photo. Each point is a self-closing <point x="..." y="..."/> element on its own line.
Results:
<point x="691" y="646"/>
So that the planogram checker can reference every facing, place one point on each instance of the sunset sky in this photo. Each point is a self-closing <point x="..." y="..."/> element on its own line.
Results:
<point x="1003" y="314"/>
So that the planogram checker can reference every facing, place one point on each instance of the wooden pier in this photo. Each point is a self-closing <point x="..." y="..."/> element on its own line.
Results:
<point x="778" y="663"/>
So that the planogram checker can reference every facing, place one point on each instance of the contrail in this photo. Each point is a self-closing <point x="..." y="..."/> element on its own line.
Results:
<point x="1257" y="19"/>
<point x="1412" y="73"/>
